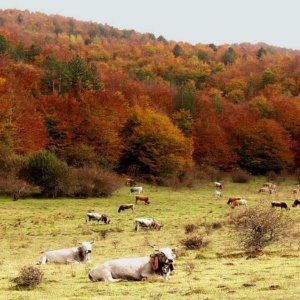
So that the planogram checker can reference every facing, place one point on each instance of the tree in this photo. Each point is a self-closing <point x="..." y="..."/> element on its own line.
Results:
<point x="186" y="97"/>
<point x="177" y="50"/>
<point x="264" y="147"/>
<point x="268" y="77"/>
<point x="202" y="55"/>
<point x="184" y="121"/>
<point x="154" y="145"/>
<point x="261" y="52"/>
<point x="229" y="56"/>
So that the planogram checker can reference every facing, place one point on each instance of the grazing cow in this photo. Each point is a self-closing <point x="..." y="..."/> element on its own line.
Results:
<point x="92" y="216"/>
<point x="68" y="256"/>
<point x="232" y="199"/>
<point x="265" y="190"/>
<point x="159" y="263"/>
<point x="279" y="204"/>
<point x="218" y="194"/>
<point x="136" y="189"/>
<point x="126" y="206"/>
<point x="145" y="199"/>
<point x="296" y="203"/>
<point x="218" y="185"/>
<point x="130" y="182"/>
<point x="240" y="202"/>
<point x="147" y="223"/>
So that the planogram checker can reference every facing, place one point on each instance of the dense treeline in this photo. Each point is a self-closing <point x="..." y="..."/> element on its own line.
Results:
<point x="144" y="105"/>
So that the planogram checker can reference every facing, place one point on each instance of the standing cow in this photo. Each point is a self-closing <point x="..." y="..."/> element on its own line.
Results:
<point x="218" y="185"/>
<point x="68" y="256"/>
<point x="147" y="223"/>
<point x="92" y="216"/>
<point x="136" y="189"/>
<point x="159" y="263"/>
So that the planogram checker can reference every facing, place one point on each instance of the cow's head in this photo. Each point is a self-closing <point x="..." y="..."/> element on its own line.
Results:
<point x="167" y="255"/>
<point x="86" y="247"/>
<point x="163" y="261"/>
<point x="158" y="226"/>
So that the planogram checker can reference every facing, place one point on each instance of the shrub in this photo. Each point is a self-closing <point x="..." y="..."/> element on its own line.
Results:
<point x="190" y="228"/>
<point x="194" y="242"/>
<point x="96" y="182"/>
<point x="17" y="188"/>
<point x="51" y="174"/>
<point x="29" y="277"/>
<point x="240" y="176"/>
<point x="297" y="175"/>
<point x="258" y="227"/>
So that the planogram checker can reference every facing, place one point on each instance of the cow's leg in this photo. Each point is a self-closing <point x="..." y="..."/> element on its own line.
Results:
<point x="136" y="226"/>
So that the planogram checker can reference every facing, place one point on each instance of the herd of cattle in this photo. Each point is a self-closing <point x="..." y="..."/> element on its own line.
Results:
<point x="267" y="187"/>
<point x="158" y="263"/>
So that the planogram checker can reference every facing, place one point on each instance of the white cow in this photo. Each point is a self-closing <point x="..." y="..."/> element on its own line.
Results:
<point x="160" y="263"/>
<point x="218" y="194"/>
<point x="136" y="189"/>
<point x="218" y="185"/>
<point x="147" y="223"/>
<point x="68" y="256"/>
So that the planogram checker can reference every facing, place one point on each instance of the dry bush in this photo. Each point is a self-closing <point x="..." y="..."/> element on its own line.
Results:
<point x="258" y="227"/>
<point x="29" y="277"/>
<point x="209" y="173"/>
<point x="17" y="188"/>
<point x="240" y="176"/>
<point x="194" y="242"/>
<point x="190" y="228"/>
<point x="96" y="182"/>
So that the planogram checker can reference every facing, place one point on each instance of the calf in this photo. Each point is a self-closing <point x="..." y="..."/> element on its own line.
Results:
<point x="296" y="203"/>
<point x="279" y="204"/>
<point x="136" y="189"/>
<point x="92" y="216"/>
<point x="147" y="223"/>
<point x="126" y="206"/>
<point x="145" y="199"/>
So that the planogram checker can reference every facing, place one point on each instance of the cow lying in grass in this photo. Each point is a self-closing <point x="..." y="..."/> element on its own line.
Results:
<point x="279" y="204"/>
<point x="126" y="206"/>
<point x="92" y="216"/>
<point x="159" y="263"/>
<point x="68" y="256"/>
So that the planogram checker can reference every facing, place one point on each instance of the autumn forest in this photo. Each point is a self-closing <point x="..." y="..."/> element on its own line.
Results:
<point x="140" y="104"/>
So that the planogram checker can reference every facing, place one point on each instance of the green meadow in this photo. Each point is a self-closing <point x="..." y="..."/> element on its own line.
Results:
<point x="218" y="271"/>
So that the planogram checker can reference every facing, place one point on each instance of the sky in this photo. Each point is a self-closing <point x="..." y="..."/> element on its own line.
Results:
<point x="275" y="22"/>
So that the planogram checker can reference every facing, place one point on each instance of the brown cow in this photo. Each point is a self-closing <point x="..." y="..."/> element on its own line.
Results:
<point x="296" y="203"/>
<point x="232" y="199"/>
<point x="126" y="206"/>
<point x="130" y="182"/>
<point x="145" y="199"/>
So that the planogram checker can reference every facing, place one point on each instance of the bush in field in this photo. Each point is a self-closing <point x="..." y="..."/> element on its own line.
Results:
<point x="9" y="161"/>
<point x="240" y="176"/>
<point x="96" y="182"/>
<point x="17" y="188"/>
<point x="79" y="155"/>
<point x="29" y="277"/>
<point x="258" y="227"/>
<point x="194" y="242"/>
<point x="54" y="177"/>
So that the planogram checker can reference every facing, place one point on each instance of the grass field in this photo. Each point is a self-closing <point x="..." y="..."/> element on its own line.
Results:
<point x="218" y="271"/>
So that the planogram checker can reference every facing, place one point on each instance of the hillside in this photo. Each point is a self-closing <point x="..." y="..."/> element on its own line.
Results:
<point x="65" y="82"/>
